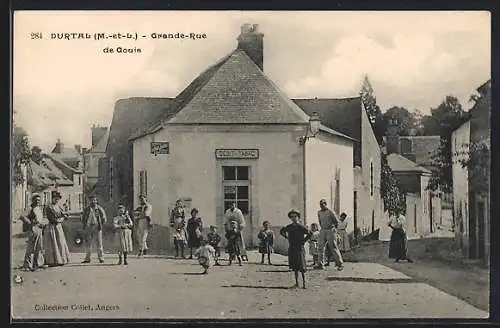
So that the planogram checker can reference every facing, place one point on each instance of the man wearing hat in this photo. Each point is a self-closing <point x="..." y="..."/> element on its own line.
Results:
<point x="143" y="223"/>
<point x="93" y="219"/>
<point x="328" y="222"/>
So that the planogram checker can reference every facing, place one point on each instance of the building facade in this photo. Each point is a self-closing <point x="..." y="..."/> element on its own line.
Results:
<point x="233" y="136"/>
<point x="92" y="156"/>
<point x="471" y="190"/>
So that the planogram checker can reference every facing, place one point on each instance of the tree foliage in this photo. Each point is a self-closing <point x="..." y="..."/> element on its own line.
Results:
<point x="36" y="154"/>
<point x="392" y="196"/>
<point x="442" y="121"/>
<point x="372" y="109"/>
<point x="20" y="154"/>
<point x="477" y="161"/>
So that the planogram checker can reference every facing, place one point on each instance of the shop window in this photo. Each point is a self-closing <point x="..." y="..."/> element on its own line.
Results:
<point x="235" y="173"/>
<point x="236" y="187"/>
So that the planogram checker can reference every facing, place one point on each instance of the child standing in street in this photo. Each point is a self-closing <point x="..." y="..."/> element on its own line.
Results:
<point x="179" y="242"/>
<point x="123" y="225"/>
<point x="313" y="243"/>
<point x="266" y="237"/>
<point x="214" y="240"/>
<point x="297" y="235"/>
<point x="234" y="243"/>
<point x="343" y="238"/>
<point x="206" y="255"/>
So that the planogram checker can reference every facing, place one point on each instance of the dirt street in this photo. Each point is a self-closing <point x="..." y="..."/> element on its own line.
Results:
<point x="156" y="287"/>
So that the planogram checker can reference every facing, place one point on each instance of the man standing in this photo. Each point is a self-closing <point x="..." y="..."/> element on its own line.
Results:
<point x="94" y="217"/>
<point x="143" y="223"/>
<point x="234" y="214"/>
<point x="328" y="222"/>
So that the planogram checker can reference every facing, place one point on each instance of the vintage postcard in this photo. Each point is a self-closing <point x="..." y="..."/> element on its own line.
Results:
<point x="250" y="165"/>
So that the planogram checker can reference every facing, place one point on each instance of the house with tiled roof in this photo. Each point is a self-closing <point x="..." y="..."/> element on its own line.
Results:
<point x="423" y="207"/>
<point x="471" y="186"/>
<point x="231" y="136"/>
<point x="348" y="116"/>
<point x="67" y="162"/>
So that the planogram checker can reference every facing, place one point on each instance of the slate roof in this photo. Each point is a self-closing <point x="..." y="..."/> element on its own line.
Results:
<point x="342" y="115"/>
<point x="68" y="164"/>
<point x="130" y="116"/>
<point x="101" y="145"/>
<point x="423" y="148"/>
<point x="236" y="91"/>
<point x="46" y="174"/>
<point x="400" y="164"/>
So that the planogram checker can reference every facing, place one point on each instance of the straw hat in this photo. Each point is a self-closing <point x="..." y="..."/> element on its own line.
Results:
<point x="294" y="211"/>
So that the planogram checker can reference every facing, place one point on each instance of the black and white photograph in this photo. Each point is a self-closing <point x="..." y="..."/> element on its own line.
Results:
<point x="225" y="165"/>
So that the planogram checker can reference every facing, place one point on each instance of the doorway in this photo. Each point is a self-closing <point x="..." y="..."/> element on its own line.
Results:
<point x="236" y="189"/>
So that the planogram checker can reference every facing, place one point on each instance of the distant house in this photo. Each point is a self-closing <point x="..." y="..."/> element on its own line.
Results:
<point x="97" y="151"/>
<point x="349" y="117"/>
<point x="423" y="207"/>
<point x="130" y="115"/>
<point x="67" y="162"/>
<point x="472" y="198"/>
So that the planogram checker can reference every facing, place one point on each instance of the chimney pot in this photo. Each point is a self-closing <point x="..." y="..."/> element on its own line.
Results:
<point x="252" y="43"/>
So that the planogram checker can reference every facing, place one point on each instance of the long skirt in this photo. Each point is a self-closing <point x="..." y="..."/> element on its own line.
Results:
<point x="297" y="259"/>
<point x="126" y="244"/>
<point x="56" y="247"/>
<point x="398" y="246"/>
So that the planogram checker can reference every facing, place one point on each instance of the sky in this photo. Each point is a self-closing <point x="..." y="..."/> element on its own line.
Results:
<point x="413" y="59"/>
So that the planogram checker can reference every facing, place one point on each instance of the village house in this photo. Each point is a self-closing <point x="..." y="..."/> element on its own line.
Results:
<point x="230" y="136"/>
<point x="69" y="161"/>
<point x="349" y="117"/>
<point x="92" y="156"/>
<point x="423" y="206"/>
<point x="471" y="194"/>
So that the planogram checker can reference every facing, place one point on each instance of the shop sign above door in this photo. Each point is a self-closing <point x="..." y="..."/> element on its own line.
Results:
<point x="159" y="147"/>
<point x="237" y="153"/>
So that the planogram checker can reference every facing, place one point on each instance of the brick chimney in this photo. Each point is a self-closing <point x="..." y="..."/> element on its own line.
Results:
<point x="58" y="149"/>
<point x="252" y="42"/>
<point x="392" y="140"/>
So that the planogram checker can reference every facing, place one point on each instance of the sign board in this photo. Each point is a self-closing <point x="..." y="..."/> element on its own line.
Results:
<point x="237" y="153"/>
<point x="159" y="147"/>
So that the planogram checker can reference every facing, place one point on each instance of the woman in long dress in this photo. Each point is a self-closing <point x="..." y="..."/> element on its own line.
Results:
<point x="56" y="247"/>
<point x="123" y="225"/>
<point x="398" y="246"/>
<point x="33" y="258"/>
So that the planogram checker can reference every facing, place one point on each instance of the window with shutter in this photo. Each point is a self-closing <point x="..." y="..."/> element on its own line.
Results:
<point x="337" y="191"/>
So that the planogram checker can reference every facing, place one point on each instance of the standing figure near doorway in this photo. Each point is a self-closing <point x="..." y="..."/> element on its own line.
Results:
<point x="234" y="214"/>
<point x="143" y="223"/>
<point x="398" y="246"/>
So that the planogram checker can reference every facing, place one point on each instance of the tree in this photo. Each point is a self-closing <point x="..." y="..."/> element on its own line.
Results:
<point x="406" y="120"/>
<point x="20" y="154"/>
<point x="442" y="121"/>
<point x="394" y="199"/>
<point x="372" y="109"/>
<point x="36" y="154"/>
<point x="477" y="162"/>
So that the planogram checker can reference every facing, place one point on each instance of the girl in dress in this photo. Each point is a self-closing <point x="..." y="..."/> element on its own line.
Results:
<point x="266" y="237"/>
<point x="313" y="243"/>
<point x="234" y="243"/>
<point x="56" y="247"/>
<point x="206" y="255"/>
<point x="342" y="237"/>
<point x="123" y="225"/>
<point x="297" y="235"/>
<point x="193" y="228"/>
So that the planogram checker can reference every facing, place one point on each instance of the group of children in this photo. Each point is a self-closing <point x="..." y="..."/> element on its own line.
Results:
<point x="207" y="250"/>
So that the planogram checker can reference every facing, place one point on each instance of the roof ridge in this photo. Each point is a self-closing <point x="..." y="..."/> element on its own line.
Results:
<point x="317" y="98"/>
<point x="180" y="102"/>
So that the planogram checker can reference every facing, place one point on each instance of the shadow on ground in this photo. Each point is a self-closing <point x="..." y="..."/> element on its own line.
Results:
<point x="257" y="287"/>
<point x="371" y="280"/>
